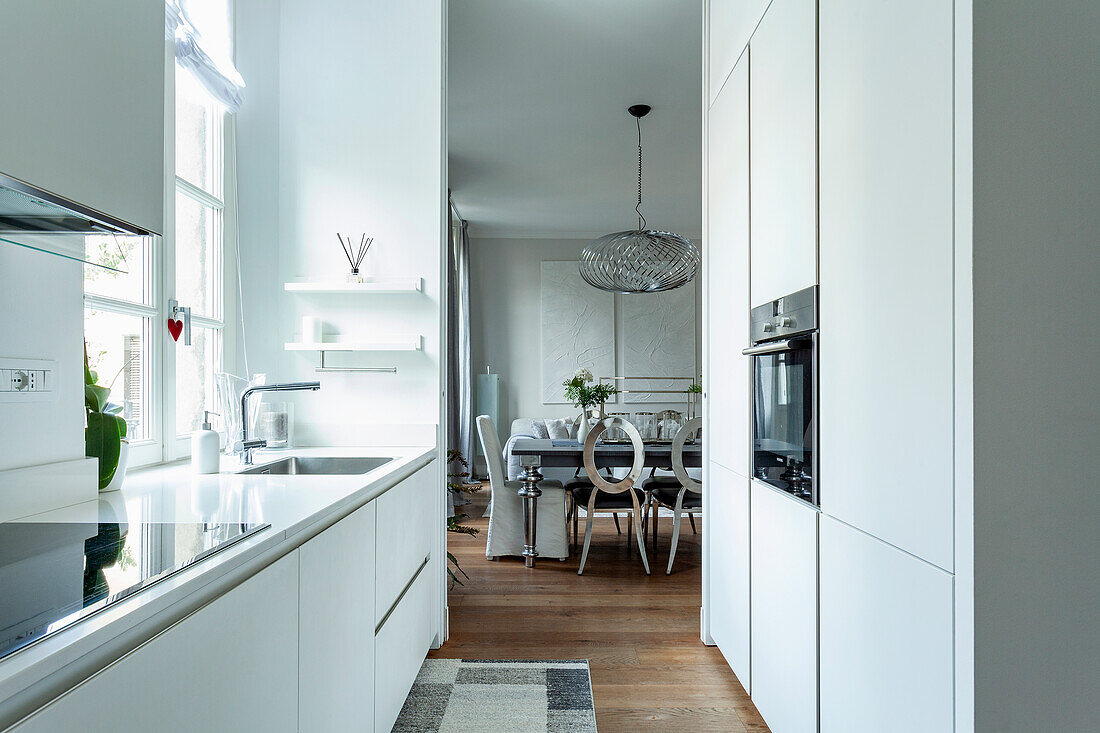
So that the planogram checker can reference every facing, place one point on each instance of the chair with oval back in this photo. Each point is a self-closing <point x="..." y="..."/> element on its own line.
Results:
<point x="680" y="494"/>
<point x="600" y="494"/>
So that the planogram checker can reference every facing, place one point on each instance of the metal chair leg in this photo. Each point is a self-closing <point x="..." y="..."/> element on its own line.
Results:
<point x="656" y="514"/>
<point x="587" y="541"/>
<point x="675" y="541"/>
<point x="691" y="518"/>
<point x="617" y="523"/>
<point x="636" y="516"/>
<point x="576" y="514"/>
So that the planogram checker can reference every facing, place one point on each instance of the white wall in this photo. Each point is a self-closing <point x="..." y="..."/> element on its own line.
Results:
<point x="1036" y="357"/>
<point x="82" y="113"/>
<point x="42" y="307"/>
<point x="343" y="131"/>
<point x="505" y="280"/>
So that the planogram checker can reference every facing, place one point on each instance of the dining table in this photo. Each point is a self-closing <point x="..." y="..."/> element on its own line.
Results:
<point x="536" y="453"/>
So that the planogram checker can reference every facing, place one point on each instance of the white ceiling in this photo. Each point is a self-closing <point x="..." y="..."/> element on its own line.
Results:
<point x="540" y="141"/>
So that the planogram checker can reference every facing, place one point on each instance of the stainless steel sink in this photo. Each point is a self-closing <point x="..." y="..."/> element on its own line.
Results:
<point x="318" y="466"/>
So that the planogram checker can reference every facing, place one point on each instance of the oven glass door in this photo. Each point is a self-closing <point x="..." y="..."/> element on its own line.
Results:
<point x="784" y="429"/>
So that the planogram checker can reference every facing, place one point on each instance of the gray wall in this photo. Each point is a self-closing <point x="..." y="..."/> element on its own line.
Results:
<point x="505" y="319"/>
<point x="1036" y="365"/>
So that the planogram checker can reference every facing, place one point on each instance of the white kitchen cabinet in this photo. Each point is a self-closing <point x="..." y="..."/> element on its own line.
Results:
<point x="83" y="115"/>
<point x="336" y="626"/>
<point x="886" y="271"/>
<point x="232" y="663"/>
<point x="400" y="648"/>
<point x="886" y="637"/>
<point x="783" y="552"/>
<point x="727" y="274"/>
<point x="407" y="525"/>
<point x="783" y="137"/>
<point x="729" y="25"/>
<point x="727" y="506"/>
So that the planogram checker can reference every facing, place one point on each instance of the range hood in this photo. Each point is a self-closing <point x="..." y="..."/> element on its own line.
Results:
<point x="27" y="209"/>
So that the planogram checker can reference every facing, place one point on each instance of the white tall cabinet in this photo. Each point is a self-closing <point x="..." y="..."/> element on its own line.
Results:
<point x="850" y="169"/>
<point x="886" y="271"/>
<point x="784" y="150"/>
<point x="726" y="264"/>
<point x="726" y="267"/>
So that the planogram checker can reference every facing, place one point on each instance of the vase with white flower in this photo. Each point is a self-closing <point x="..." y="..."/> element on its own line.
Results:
<point x="585" y="395"/>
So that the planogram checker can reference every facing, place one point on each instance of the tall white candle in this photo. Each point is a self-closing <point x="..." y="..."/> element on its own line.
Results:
<point x="312" y="330"/>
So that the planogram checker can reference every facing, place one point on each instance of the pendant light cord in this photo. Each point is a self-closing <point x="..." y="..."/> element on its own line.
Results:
<point x="642" y="223"/>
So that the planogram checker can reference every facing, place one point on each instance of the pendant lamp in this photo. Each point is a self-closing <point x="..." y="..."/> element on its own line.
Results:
<point x="642" y="260"/>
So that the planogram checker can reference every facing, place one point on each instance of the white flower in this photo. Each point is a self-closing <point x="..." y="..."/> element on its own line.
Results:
<point x="584" y="374"/>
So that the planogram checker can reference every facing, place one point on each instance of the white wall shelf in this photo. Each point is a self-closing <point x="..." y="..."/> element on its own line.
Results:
<point x="389" y="343"/>
<point x="396" y="285"/>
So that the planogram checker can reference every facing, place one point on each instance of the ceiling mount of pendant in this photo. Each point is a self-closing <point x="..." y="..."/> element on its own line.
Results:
<point x="641" y="260"/>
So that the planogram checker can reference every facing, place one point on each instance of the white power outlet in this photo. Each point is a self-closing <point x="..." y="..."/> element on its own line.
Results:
<point x="27" y="380"/>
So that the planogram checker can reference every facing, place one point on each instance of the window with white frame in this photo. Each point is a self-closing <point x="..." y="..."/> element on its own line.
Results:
<point x="164" y="385"/>
<point x="199" y="234"/>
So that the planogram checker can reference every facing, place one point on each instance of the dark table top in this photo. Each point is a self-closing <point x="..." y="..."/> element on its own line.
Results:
<point x="614" y="455"/>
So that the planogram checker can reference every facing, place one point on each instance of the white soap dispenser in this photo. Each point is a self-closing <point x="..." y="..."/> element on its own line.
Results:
<point x="206" y="447"/>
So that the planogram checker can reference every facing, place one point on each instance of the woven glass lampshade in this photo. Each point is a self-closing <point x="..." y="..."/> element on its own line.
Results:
<point x="642" y="260"/>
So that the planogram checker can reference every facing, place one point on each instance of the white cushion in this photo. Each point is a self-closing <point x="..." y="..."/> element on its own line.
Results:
<point x="558" y="429"/>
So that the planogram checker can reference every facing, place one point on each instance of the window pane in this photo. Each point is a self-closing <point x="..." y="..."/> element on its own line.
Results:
<point x="118" y="349"/>
<point x="198" y="247"/>
<point x="196" y="134"/>
<point x="127" y="253"/>
<point x="195" y="367"/>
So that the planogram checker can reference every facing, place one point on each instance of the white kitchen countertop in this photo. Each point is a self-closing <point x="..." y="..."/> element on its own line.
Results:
<point x="296" y="507"/>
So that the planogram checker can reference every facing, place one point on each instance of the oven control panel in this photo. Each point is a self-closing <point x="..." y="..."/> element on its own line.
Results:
<point x="787" y="316"/>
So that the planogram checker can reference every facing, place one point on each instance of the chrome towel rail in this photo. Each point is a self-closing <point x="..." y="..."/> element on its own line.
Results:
<point x="323" y="368"/>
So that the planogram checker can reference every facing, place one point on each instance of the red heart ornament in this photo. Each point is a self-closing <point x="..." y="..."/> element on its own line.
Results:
<point x="175" y="328"/>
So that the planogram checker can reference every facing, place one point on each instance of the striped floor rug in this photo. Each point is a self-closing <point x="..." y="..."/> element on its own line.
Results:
<point x="515" y="695"/>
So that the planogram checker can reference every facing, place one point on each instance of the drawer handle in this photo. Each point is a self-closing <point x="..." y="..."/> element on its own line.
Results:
<point x="401" y="595"/>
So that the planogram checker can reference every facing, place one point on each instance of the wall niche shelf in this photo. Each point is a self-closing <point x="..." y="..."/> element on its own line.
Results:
<point x="393" y="285"/>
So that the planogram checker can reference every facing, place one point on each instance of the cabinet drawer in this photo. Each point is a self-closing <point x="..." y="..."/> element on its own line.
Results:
<point x="336" y="626"/>
<point x="233" y="660"/>
<point x="728" y="537"/>
<point x="406" y="526"/>
<point x="400" y="647"/>
<point x="783" y="558"/>
<point x="886" y="637"/>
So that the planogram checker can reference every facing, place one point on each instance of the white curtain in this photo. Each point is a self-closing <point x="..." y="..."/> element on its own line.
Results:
<point x="206" y="56"/>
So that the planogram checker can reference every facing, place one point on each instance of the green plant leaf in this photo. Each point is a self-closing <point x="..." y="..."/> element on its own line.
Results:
<point x="103" y="440"/>
<point x="95" y="397"/>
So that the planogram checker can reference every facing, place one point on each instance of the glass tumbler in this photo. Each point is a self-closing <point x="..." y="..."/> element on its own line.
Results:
<point x="646" y="422"/>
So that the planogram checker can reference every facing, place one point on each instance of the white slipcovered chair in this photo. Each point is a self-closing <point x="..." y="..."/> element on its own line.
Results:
<point x="505" y="536"/>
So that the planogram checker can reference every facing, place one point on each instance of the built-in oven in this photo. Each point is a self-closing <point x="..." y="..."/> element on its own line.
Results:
<point x="784" y="393"/>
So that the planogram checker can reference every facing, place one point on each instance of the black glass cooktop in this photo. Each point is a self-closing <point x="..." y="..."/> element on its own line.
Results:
<point x="53" y="575"/>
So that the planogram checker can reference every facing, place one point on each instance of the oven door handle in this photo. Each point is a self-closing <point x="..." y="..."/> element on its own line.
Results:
<point x="776" y="347"/>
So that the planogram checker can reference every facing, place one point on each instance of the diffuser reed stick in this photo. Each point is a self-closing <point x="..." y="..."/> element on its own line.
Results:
<point x="355" y="256"/>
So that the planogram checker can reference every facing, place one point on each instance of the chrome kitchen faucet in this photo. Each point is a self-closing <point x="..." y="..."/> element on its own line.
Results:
<point x="246" y="446"/>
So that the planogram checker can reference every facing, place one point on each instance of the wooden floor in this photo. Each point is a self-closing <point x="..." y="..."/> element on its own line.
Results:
<point x="650" y="672"/>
